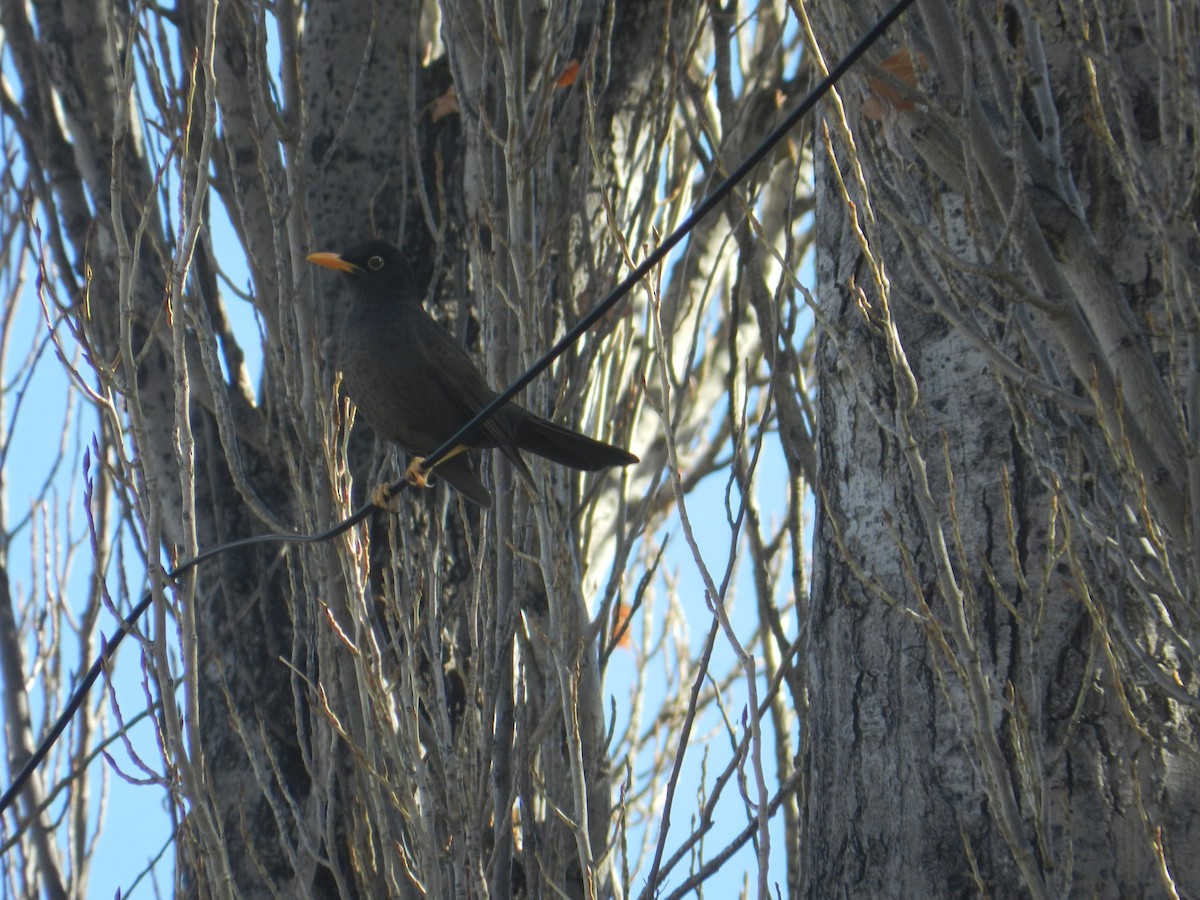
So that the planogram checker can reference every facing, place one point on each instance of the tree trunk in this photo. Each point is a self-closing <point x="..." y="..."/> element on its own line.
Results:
<point x="1003" y="682"/>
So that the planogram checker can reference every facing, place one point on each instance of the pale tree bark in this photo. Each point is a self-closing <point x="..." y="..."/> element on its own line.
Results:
<point x="1002" y="634"/>
<point x="419" y="706"/>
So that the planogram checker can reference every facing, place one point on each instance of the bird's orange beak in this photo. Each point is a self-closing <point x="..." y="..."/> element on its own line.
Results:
<point x="333" y="261"/>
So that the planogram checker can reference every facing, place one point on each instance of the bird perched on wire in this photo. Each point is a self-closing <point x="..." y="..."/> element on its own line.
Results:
<point x="417" y="386"/>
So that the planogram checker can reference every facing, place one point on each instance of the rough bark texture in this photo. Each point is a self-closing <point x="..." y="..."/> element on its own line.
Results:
<point x="1003" y="684"/>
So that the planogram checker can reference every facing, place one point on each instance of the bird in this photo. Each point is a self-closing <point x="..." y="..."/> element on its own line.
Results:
<point x="417" y="386"/>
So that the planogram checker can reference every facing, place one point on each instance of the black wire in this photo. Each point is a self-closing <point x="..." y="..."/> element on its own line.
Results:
<point x="109" y="648"/>
<point x="615" y="296"/>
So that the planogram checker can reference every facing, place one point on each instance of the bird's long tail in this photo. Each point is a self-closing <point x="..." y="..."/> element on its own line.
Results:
<point x="567" y="447"/>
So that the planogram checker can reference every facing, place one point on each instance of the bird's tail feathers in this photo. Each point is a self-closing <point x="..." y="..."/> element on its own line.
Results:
<point x="569" y="448"/>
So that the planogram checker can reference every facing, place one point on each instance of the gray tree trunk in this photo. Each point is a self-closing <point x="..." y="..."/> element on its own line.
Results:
<point x="1002" y="631"/>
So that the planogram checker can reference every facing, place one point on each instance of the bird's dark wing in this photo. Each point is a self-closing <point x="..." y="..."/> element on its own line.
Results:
<point x="457" y="378"/>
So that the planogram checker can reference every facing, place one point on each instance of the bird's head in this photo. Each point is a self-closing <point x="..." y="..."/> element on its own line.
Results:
<point x="375" y="268"/>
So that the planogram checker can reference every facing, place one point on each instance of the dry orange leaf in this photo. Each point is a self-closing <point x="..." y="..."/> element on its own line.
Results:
<point x="883" y="95"/>
<point x="622" y="629"/>
<point x="567" y="76"/>
<point x="445" y="105"/>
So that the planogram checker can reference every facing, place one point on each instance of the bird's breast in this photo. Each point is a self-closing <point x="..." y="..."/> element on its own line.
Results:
<point x="386" y="373"/>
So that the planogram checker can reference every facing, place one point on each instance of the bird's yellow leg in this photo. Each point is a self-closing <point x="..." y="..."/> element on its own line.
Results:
<point x="384" y="498"/>
<point x="415" y="475"/>
<point x="418" y="461"/>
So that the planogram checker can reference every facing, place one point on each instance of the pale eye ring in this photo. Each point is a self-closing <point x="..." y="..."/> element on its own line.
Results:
<point x="375" y="263"/>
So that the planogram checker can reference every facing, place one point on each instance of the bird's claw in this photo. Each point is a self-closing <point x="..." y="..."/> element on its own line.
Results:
<point x="383" y="498"/>
<point x="415" y="475"/>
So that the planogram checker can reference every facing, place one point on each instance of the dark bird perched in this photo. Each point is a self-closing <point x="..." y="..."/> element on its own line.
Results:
<point x="417" y="386"/>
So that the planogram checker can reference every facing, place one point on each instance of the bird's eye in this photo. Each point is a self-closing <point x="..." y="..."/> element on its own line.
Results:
<point x="375" y="263"/>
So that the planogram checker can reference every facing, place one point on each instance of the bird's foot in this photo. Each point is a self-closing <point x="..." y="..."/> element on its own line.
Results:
<point x="384" y="498"/>
<point x="415" y="475"/>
